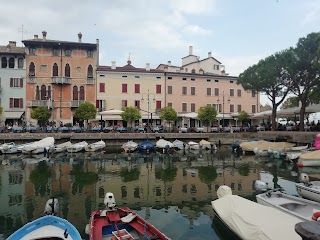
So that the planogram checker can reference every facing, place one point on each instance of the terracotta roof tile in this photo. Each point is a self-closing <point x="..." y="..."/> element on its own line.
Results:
<point x="11" y="49"/>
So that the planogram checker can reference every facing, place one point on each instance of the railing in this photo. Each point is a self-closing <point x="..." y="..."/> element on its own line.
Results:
<point x="61" y="80"/>
<point x="90" y="80"/>
<point x="76" y="103"/>
<point x="41" y="103"/>
<point x="31" y="79"/>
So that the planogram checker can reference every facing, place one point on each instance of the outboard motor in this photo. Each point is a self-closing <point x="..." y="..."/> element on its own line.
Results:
<point x="304" y="178"/>
<point x="261" y="186"/>
<point x="109" y="201"/>
<point x="52" y="207"/>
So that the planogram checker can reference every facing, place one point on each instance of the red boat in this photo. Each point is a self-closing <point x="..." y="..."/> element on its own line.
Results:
<point x="115" y="223"/>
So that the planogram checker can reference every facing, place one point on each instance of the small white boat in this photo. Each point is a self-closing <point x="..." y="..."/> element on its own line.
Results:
<point x="309" y="159"/>
<point x="207" y="145"/>
<point x="299" y="148"/>
<point x="130" y="146"/>
<point x="46" y="144"/>
<point x="307" y="189"/>
<point x="20" y="147"/>
<point x="77" y="147"/>
<point x="62" y="147"/>
<point x="180" y="145"/>
<point x="293" y="155"/>
<point x="261" y="152"/>
<point x="298" y="207"/>
<point x="95" y="146"/>
<point x="252" y="221"/>
<point x="8" y="148"/>
<point x="193" y="145"/>
<point x="163" y="144"/>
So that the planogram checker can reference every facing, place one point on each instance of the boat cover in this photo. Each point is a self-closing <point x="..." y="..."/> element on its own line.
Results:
<point x="223" y="191"/>
<point x="314" y="155"/>
<point x="265" y="145"/>
<point x="204" y="142"/>
<point x="252" y="221"/>
<point x="161" y="143"/>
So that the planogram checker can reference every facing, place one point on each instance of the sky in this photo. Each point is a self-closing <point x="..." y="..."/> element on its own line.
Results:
<point x="238" y="32"/>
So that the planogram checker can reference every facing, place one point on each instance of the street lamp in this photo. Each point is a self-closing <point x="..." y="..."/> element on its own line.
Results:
<point x="223" y="95"/>
<point x="147" y="95"/>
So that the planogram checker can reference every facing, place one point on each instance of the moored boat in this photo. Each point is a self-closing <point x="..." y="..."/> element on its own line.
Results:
<point x="146" y="146"/>
<point x="46" y="144"/>
<point x="62" y="147"/>
<point x="309" y="159"/>
<point x="163" y="144"/>
<point x="120" y="223"/>
<point x="77" y="147"/>
<point x="8" y="148"/>
<point x="308" y="189"/>
<point x="204" y="144"/>
<point x="193" y="145"/>
<point x="261" y="152"/>
<point x="180" y="145"/>
<point x="130" y="146"/>
<point x="95" y="146"/>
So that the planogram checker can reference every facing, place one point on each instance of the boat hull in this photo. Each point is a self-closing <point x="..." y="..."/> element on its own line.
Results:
<point x="308" y="192"/>
<point x="308" y="163"/>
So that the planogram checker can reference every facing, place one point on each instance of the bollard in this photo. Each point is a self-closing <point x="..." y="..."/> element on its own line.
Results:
<point x="309" y="230"/>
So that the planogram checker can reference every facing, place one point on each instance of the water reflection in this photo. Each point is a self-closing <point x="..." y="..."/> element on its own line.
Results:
<point x="170" y="190"/>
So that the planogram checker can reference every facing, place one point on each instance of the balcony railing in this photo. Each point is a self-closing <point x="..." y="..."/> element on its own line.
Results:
<point x="31" y="79"/>
<point x="90" y="80"/>
<point x="76" y="103"/>
<point x="41" y="103"/>
<point x="61" y="80"/>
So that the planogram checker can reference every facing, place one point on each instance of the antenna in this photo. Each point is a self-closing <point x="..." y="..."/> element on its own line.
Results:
<point x="22" y="31"/>
<point x="129" y="56"/>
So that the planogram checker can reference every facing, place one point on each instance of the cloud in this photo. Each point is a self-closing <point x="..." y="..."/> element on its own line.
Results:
<point x="312" y="12"/>
<point x="195" y="29"/>
<point x="194" y="6"/>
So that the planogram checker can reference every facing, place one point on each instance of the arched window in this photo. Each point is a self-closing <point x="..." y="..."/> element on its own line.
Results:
<point x="67" y="70"/>
<point x="32" y="69"/>
<point x="55" y="70"/>
<point x="75" y="93"/>
<point x="193" y="71"/>
<point x="37" y="93"/>
<point x="11" y="62"/>
<point x="49" y="92"/>
<point x="4" y="62"/>
<point x="81" y="98"/>
<point x="20" y="63"/>
<point x="43" y="92"/>
<point x="101" y="192"/>
<point x="90" y="72"/>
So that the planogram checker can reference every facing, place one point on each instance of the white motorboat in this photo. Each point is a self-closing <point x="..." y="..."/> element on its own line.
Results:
<point x="309" y="159"/>
<point x="8" y="148"/>
<point x="193" y="145"/>
<point x="180" y="145"/>
<point x="207" y="145"/>
<point x="46" y="144"/>
<point x="163" y="144"/>
<point x="299" y="148"/>
<point x="62" y="147"/>
<point x="20" y="147"/>
<point x="130" y="146"/>
<point x="298" y="207"/>
<point x="252" y="221"/>
<point x="261" y="152"/>
<point x="307" y="189"/>
<point x="77" y="147"/>
<point x="95" y="146"/>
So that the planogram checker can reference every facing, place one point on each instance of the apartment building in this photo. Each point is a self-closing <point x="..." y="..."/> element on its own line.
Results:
<point x="60" y="75"/>
<point x="12" y="83"/>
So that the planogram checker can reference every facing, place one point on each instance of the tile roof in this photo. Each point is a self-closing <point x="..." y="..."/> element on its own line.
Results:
<point x="48" y="41"/>
<point x="11" y="49"/>
<point x="126" y="68"/>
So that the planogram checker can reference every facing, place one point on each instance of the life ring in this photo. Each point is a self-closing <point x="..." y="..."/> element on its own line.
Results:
<point x="315" y="216"/>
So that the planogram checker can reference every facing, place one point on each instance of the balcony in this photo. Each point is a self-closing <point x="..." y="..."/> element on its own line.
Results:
<point x="76" y="103"/>
<point x="60" y="80"/>
<point x="90" y="80"/>
<point x="31" y="79"/>
<point x="41" y="103"/>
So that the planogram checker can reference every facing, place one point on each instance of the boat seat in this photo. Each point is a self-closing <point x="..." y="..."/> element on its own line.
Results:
<point x="122" y="234"/>
<point x="103" y="213"/>
<point x="140" y="228"/>
<point x="128" y="218"/>
<point x="113" y="217"/>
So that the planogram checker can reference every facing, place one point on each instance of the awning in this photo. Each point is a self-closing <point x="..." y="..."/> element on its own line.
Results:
<point x="13" y="115"/>
<point x="108" y="117"/>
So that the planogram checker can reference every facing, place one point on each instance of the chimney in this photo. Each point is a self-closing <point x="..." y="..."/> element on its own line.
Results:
<point x="190" y="50"/>
<point x="169" y="63"/>
<point x="79" y="37"/>
<point x="12" y="43"/>
<point x="35" y="36"/>
<point x="209" y="55"/>
<point x="44" y="35"/>
<point x="147" y="66"/>
<point x="113" y="66"/>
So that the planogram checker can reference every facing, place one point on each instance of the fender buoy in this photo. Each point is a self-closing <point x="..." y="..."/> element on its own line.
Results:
<point x="300" y="164"/>
<point x="315" y="216"/>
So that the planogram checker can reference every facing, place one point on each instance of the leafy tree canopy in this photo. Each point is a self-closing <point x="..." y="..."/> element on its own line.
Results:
<point x="86" y="111"/>
<point x="207" y="174"/>
<point x="290" y="102"/>
<point x="42" y="114"/>
<point x="207" y="114"/>
<point x="243" y="116"/>
<point x="131" y="114"/>
<point x="168" y="114"/>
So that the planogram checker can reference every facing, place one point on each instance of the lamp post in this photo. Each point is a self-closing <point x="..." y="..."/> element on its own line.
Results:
<point x="147" y="95"/>
<point x="223" y="95"/>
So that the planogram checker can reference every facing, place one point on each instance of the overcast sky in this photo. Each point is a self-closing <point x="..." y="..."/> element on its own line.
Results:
<point x="237" y="32"/>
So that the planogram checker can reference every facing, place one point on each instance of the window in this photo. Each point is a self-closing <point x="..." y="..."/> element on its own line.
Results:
<point x="49" y="92"/>
<point x="208" y="91"/>
<point x="16" y="82"/>
<point x="55" y="52"/>
<point x="32" y="71"/>
<point x="193" y="71"/>
<point x="216" y="67"/>
<point x="137" y="76"/>
<point x="253" y="108"/>
<point x="184" y="90"/>
<point x="124" y="103"/>
<point x="43" y="92"/>
<point x="184" y="107"/>
<point x="32" y="51"/>
<point x="239" y="108"/>
<point x="169" y="77"/>
<point x="20" y="63"/>
<point x="184" y="79"/>
<point x="124" y="88"/>
<point x="158" y="77"/>
<point x="208" y="80"/>
<point x="75" y="95"/>
<point x="4" y="62"/>
<point x="102" y="87"/>
<point x="216" y="91"/>
<point x="101" y="104"/>
<point x="193" y="91"/>
<point x="218" y="107"/>
<point x="158" y="88"/>
<point x="67" y="70"/>
<point x="137" y="103"/>
<point x="169" y="104"/>
<point x="37" y="93"/>
<point x="239" y="92"/>
<point x="137" y="88"/>
<point x="67" y="52"/>
<point x="11" y="62"/>
<point x="43" y="68"/>
<point x="231" y="108"/>
<point x="90" y="54"/>
<point x="158" y="104"/>
<point x="124" y="76"/>
<point x="55" y="70"/>
<point x="231" y="81"/>
<point x="90" y="72"/>
<point x="16" y="102"/>
<point x="253" y="93"/>
<point x="81" y="94"/>
<point x="231" y="92"/>
<point x="169" y="89"/>
<point x="216" y="80"/>
<point x="192" y="79"/>
<point x="193" y="107"/>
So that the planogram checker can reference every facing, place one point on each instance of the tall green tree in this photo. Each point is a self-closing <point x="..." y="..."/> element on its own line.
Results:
<point x="169" y="115"/>
<point x="86" y="111"/>
<point x="130" y="115"/>
<point x="270" y="77"/>
<point x="207" y="115"/>
<point x="290" y="102"/>
<point x="243" y="116"/>
<point x="42" y="114"/>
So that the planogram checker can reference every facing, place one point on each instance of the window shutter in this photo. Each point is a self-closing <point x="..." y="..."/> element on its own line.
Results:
<point x="21" y="102"/>
<point x="11" y="102"/>
<point x="97" y="103"/>
<point x="11" y="82"/>
<point x="102" y="87"/>
<point x="21" y="82"/>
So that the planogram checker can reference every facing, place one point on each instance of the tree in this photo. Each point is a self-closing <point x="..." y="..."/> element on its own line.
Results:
<point x="131" y="114"/>
<point x="42" y="114"/>
<point x="290" y="103"/>
<point x="269" y="76"/>
<point x="243" y="116"/>
<point x="169" y="115"/>
<point x="86" y="111"/>
<point x="1" y="117"/>
<point x="207" y="115"/>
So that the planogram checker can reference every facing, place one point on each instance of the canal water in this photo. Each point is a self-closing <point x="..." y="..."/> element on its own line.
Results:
<point x="172" y="191"/>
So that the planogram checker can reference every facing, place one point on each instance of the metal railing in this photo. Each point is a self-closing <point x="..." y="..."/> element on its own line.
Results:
<point x="90" y="80"/>
<point x="61" y="80"/>
<point x="76" y="103"/>
<point x="31" y="79"/>
<point x="41" y="103"/>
